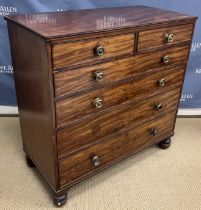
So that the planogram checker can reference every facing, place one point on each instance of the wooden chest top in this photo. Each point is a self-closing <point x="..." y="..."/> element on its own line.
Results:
<point x="57" y="24"/>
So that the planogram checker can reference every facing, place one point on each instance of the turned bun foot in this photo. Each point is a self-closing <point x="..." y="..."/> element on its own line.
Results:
<point x="60" y="199"/>
<point x="29" y="162"/>
<point x="165" y="143"/>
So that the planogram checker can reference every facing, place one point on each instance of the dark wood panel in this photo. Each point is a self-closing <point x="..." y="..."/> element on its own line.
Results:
<point x="156" y="38"/>
<point x="80" y="79"/>
<point x="32" y="74"/>
<point x="68" y="23"/>
<point x="83" y="51"/>
<point x="92" y="129"/>
<point x="114" y="148"/>
<point x="141" y="87"/>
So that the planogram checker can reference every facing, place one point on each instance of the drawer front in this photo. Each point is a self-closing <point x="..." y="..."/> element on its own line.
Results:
<point x="114" y="148"/>
<point x="95" y="76"/>
<point x="164" y="36"/>
<point x="90" y="103"/>
<point x="85" y="51"/>
<point x="90" y="130"/>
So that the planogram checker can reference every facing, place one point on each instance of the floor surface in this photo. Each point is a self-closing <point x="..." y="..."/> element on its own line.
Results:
<point x="153" y="179"/>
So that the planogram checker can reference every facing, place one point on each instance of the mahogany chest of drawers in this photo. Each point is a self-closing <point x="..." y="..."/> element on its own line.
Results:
<point x="95" y="86"/>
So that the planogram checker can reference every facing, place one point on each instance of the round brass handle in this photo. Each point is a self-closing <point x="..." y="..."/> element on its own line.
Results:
<point x="166" y="59"/>
<point x="98" y="76"/>
<point x="169" y="37"/>
<point x="161" y="82"/>
<point x="98" y="103"/>
<point x="154" y="131"/>
<point x="99" y="50"/>
<point x="96" y="161"/>
<point x="158" y="107"/>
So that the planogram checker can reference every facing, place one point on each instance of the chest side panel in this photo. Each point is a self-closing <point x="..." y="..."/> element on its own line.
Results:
<point x="34" y="95"/>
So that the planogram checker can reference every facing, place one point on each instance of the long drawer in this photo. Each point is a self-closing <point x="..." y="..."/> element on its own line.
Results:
<point x="93" y="50"/>
<point x="95" y="76"/>
<point x="87" y="131"/>
<point x="116" y="147"/>
<point x="76" y="107"/>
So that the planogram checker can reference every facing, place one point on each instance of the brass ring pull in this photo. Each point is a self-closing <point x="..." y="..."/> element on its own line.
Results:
<point x="158" y="107"/>
<point x="169" y="37"/>
<point x="161" y="82"/>
<point x="166" y="59"/>
<point x="98" y="76"/>
<point x="99" y="50"/>
<point x="96" y="161"/>
<point x="154" y="131"/>
<point x="98" y="103"/>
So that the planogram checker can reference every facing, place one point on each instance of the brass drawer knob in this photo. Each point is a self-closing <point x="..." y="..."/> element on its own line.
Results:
<point x="98" y="103"/>
<point x="166" y="59"/>
<point x="99" y="50"/>
<point x="96" y="161"/>
<point x="169" y="37"/>
<point x="98" y="76"/>
<point x="161" y="82"/>
<point x="154" y="131"/>
<point x="158" y="107"/>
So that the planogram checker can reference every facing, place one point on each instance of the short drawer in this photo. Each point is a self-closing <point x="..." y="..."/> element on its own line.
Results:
<point x="95" y="76"/>
<point x="87" y="131"/>
<point x="164" y="36"/>
<point x="114" y="148"/>
<point x="93" y="102"/>
<point x="93" y="50"/>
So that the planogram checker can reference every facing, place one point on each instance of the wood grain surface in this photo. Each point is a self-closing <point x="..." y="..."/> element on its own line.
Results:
<point x="69" y="23"/>
<point x="76" y="107"/>
<point x="80" y="79"/>
<point x="32" y="76"/>
<point x="83" y="51"/>
<point x="155" y="38"/>
<point x="88" y="131"/>
<point x="113" y="148"/>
